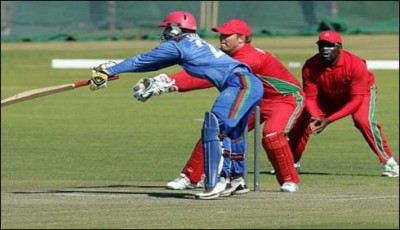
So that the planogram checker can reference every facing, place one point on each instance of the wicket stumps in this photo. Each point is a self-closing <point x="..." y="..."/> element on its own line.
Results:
<point x="257" y="144"/>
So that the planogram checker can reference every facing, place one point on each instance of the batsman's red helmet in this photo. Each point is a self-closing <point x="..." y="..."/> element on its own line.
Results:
<point x="185" y="20"/>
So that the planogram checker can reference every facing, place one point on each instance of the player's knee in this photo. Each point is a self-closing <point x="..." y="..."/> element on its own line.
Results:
<point x="210" y="131"/>
<point x="238" y="145"/>
<point x="362" y="123"/>
<point x="274" y="140"/>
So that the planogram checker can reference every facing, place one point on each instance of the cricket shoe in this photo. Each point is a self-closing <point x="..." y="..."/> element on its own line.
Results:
<point x="182" y="182"/>
<point x="241" y="189"/>
<point x="215" y="192"/>
<point x="236" y="186"/>
<point x="390" y="168"/>
<point x="296" y="166"/>
<point x="289" y="187"/>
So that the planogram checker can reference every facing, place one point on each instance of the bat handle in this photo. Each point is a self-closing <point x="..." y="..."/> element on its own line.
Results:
<point x="87" y="82"/>
<point x="113" y="78"/>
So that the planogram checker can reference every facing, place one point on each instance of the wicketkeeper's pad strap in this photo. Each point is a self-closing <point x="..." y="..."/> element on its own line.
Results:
<point x="236" y="157"/>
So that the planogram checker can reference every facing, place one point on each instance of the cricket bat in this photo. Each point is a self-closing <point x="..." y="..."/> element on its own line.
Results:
<point x="41" y="92"/>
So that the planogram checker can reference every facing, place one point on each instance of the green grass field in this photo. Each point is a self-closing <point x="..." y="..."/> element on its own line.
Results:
<point x="86" y="160"/>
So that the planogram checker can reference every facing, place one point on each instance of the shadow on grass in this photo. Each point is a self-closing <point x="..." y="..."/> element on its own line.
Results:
<point x="322" y="174"/>
<point x="85" y="190"/>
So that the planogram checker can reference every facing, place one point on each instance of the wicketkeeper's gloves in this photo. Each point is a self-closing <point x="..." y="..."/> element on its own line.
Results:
<point x="147" y="87"/>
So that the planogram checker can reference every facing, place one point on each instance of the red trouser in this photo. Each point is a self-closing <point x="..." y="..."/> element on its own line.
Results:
<point x="299" y="135"/>
<point x="279" y="114"/>
<point x="363" y="120"/>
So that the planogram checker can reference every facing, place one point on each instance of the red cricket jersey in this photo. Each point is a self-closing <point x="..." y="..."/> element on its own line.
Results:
<point x="342" y="85"/>
<point x="276" y="78"/>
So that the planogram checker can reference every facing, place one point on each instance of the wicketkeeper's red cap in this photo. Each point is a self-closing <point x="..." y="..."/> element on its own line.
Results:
<point x="330" y="36"/>
<point x="233" y="26"/>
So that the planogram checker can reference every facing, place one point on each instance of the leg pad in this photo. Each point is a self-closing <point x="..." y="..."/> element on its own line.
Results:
<point x="212" y="150"/>
<point x="281" y="158"/>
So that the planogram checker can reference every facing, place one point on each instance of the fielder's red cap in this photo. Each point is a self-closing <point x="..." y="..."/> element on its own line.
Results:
<point x="330" y="36"/>
<point x="233" y="26"/>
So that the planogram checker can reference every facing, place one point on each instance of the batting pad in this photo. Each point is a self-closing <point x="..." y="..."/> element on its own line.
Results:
<point x="212" y="150"/>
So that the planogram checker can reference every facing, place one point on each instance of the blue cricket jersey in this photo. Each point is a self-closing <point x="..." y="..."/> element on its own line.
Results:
<point x="195" y="55"/>
<point x="240" y="92"/>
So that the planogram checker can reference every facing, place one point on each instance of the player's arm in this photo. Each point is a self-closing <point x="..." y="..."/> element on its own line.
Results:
<point x="358" y="88"/>
<point x="317" y="123"/>
<point x="154" y="86"/>
<point x="311" y="91"/>
<point x="165" y="55"/>
<point x="185" y="82"/>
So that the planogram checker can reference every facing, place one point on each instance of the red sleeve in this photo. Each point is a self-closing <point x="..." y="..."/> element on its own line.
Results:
<point x="311" y="91"/>
<point x="348" y="109"/>
<point x="186" y="82"/>
<point x="358" y="89"/>
<point x="359" y="79"/>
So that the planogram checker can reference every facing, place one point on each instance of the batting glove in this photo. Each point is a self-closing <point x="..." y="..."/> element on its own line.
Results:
<point x="100" y="76"/>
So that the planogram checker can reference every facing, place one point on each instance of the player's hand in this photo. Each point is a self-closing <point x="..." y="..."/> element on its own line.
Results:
<point x="100" y="76"/>
<point x="313" y="125"/>
<point x="318" y="125"/>
<point x="142" y="90"/>
<point x="147" y="87"/>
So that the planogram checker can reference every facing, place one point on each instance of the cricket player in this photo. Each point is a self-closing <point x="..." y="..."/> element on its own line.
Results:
<point x="337" y="84"/>
<point x="281" y="105"/>
<point x="240" y="90"/>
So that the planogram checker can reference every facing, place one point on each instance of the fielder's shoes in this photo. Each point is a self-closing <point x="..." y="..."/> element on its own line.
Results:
<point x="182" y="182"/>
<point x="215" y="192"/>
<point x="236" y="186"/>
<point x="390" y="168"/>
<point x="296" y="166"/>
<point x="289" y="187"/>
